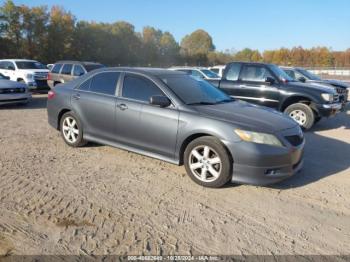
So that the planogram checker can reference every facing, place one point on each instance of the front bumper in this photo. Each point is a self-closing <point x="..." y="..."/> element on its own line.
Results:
<point x="327" y="110"/>
<point x="259" y="164"/>
<point x="17" y="98"/>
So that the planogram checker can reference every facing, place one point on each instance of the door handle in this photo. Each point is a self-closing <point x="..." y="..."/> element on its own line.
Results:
<point x="76" y="96"/>
<point x="122" y="107"/>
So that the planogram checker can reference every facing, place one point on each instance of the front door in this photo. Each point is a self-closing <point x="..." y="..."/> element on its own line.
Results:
<point x="255" y="89"/>
<point x="141" y="125"/>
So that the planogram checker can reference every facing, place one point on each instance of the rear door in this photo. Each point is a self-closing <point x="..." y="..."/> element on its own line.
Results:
<point x="66" y="73"/>
<point x="94" y="102"/>
<point x="141" y="125"/>
<point x="78" y="71"/>
<point x="230" y="82"/>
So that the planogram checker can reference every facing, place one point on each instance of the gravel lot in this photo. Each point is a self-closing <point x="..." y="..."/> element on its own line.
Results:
<point x="101" y="200"/>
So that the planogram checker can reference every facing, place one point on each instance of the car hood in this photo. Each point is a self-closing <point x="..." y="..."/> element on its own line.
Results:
<point x="337" y="83"/>
<point x="247" y="116"/>
<point x="34" y="70"/>
<point x="11" y="84"/>
<point x="325" y="88"/>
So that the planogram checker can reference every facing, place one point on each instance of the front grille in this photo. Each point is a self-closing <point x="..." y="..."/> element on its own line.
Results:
<point x="343" y="94"/>
<point x="12" y="90"/>
<point x="295" y="140"/>
<point x="40" y="75"/>
<point x="41" y="83"/>
<point x="336" y="98"/>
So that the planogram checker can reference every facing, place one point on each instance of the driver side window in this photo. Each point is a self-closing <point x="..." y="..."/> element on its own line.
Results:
<point x="255" y="73"/>
<point x="139" y="88"/>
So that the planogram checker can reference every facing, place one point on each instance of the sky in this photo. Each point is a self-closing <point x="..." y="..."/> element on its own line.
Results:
<point x="233" y="24"/>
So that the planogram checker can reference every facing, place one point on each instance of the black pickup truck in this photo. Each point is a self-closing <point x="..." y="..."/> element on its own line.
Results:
<point x="268" y="85"/>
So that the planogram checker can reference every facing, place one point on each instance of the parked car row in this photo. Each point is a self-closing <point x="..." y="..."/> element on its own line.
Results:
<point x="185" y="115"/>
<point x="268" y="85"/>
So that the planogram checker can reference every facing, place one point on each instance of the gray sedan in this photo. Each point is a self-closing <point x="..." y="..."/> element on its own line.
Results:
<point x="12" y="92"/>
<point x="180" y="119"/>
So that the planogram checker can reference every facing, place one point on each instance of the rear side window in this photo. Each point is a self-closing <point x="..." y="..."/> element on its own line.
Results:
<point x="105" y="83"/>
<point x="139" y="88"/>
<point x="67" y="69"/>
<point x="255" y="73"/>
<point x="85" y="85"/>
<point x="233" y="72"/>
<point x="78" y="70"/>
<point x="56" y="68"/>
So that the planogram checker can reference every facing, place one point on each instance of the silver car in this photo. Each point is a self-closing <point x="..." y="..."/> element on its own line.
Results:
<point x="181" y="119"/>
<point x="12" y="92"/>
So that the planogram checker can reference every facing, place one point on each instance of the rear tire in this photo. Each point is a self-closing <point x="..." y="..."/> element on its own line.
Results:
<point x="207" y="162"/>
<point x="302" y="114"/>
<point x="72" y="130"/>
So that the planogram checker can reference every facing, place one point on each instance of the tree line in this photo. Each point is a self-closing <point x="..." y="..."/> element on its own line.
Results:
<point x="49" y="35"/>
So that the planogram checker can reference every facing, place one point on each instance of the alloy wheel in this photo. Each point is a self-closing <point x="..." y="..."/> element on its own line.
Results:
<point x="205" y="163"/>
<point x="70" y="129"/>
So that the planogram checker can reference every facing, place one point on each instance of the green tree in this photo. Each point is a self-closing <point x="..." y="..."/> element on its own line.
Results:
<point x="60" y="34"/>
<point x="11" y="27"/>
<point x="196" y="47"/>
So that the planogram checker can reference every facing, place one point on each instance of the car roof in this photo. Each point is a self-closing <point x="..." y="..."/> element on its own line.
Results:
<point x="19" y="60"/>
<point x="250" y="63"/>
<point x="188" y="67"/>
<point x="143" y="70"/>
<point x="77" y="62"/>
<point x="291" y="67"/>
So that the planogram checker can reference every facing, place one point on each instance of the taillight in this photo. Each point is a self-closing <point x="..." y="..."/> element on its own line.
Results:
<point x="49" y="76"/>
<point x="51" y="94"/>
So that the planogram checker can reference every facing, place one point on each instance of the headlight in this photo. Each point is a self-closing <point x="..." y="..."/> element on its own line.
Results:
<point x="259" y="138"/>
<point x="29" y="76"/>
<point x="328" y="97"/>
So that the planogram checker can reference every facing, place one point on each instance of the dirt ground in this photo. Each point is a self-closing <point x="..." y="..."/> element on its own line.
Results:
<point x="101" y="200"/>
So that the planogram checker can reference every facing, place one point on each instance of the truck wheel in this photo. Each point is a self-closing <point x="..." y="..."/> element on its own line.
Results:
<point x="207" y="162"/>
<point x="302" y="114"/>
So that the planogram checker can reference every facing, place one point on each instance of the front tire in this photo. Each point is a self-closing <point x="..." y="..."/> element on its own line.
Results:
<point x="72" y="130"/>
<point x="302" y="114"/>
<point x="207" y="162"/>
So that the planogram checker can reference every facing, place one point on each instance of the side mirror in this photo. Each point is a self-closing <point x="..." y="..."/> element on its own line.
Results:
<point x="269" y="80"/>
<point x="161" y="101"/>
<point x="302" y="79"/>
<point x="10" y="68"/>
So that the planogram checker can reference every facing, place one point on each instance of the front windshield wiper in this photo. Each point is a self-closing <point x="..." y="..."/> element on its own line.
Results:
<point x="201" y="103"/>
<point x="225" y="101"/>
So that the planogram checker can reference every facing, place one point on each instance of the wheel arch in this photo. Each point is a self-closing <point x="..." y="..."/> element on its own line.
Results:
<point x="296" y="99"/>
<point x="59" y="117"/>
<point x="192" y="137"/>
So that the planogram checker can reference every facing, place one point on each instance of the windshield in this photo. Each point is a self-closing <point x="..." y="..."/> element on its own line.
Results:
<point x="308" y="74"/>
<point x="30" y="65"/>
<point x="210" y="73"/>
<point x="193" y="90"/>
<point x="91" y="67"/>
<point x="282" y="76"/>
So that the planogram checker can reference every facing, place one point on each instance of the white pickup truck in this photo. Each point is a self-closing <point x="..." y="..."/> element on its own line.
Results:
<point x="30" y="72"/>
